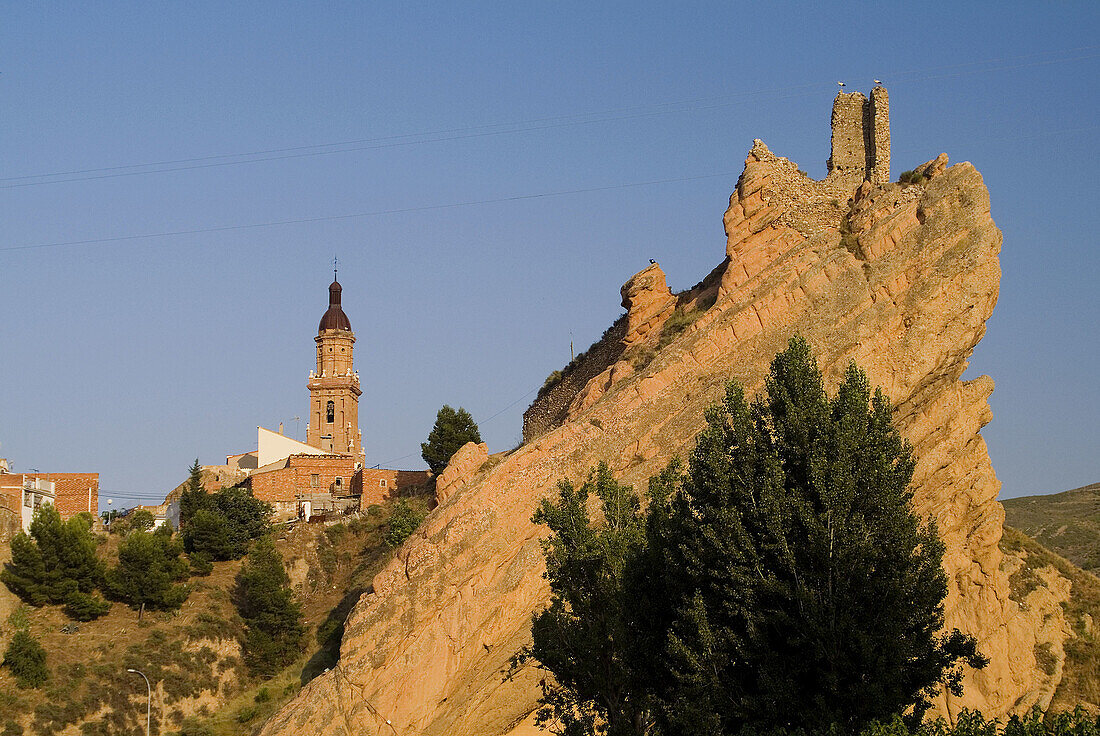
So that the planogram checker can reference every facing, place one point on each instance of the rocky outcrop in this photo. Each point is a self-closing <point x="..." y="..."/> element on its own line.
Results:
<point x="460" y="470"/>
<point x="648" y="303"/>
<point x="899" y="279"/>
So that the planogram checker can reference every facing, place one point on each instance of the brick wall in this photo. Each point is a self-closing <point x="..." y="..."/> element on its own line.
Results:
<point x="380" y="484"/>
<point x="282" y="485"/>
<point x="76" y="492"/>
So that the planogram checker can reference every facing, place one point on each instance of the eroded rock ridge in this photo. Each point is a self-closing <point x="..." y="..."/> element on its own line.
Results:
<point x="898" y="278"/>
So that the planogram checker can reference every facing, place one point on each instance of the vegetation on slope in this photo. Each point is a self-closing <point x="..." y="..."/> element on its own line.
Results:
<point x="1080" y="682"/>
<point x="1067" y="523"/>
<point x="192" y="655"/>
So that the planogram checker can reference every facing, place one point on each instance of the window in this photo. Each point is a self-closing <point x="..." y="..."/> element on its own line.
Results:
<point x="27" y="499"/>
<point x="314" y="480"/>
<point x="339" y="483"/>
<point x="381" y="482"/>
<point x="330" y="412"/>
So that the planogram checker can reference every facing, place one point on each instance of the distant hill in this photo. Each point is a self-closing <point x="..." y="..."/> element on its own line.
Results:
<point x="1067" y="523"/>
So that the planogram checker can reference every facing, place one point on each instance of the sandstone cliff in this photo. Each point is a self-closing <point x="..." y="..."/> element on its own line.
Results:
<point x="899" y="278"/>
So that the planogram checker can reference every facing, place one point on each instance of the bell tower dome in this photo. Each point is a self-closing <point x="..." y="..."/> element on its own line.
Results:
<point x="334" y="385"/>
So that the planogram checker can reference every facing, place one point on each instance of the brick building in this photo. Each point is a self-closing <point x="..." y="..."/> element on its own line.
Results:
<point x="70" y="493"/>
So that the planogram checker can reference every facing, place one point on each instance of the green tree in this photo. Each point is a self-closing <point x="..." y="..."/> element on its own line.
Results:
<point x="586" y="637"/>
<point x="452" y="430"/>
<point x="194" y="495"/>
<point x="55" y="560"/>
<point x="781" y="581"/>
<point x="801" y="589"/>
<point x="148" y="571"/>
<point x="141" y="520"/>
<point x="26" y="659"/>
<point x="274" y="633"/>
<point x="224" y="528"/>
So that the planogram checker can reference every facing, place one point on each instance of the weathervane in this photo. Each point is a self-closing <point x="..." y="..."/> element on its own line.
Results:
<point x="334" y="262"/>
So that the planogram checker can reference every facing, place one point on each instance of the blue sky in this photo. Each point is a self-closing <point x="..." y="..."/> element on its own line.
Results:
<point x="132" y="357"/>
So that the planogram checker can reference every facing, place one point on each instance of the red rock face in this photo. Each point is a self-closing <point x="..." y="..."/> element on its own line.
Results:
<point x="899" y="279"/>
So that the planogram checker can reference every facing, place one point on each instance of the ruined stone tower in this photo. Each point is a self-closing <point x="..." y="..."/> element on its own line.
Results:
<point x="334" y="387"/>
<point x="861" y="136"/>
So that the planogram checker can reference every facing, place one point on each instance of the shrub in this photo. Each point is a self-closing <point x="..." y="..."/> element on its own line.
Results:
<point x="19" y="619"/>
<point x="913" y="176"/>
<point x="201" y="564"/>
<point x="85" y="606"/>
<point x="26" y="659"/>
<point x="552" y="380"/>
<point x="403" y="522"/>
<point x="194" y="727"/>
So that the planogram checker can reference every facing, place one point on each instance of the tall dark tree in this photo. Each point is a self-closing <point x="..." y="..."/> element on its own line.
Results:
<point x="586" y="636"/>
<point x="149" y="571"/>
<point x="194" y="495"/>
<point x="56" y="559"/>
<point x="802" y="588"/>
<point x="453" y="429"/>
<point x="781" y="581"/>
<point x="274" y="633"/>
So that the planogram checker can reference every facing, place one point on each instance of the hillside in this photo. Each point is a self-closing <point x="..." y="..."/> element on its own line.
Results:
<point x="192" y="655"/>
<point x="1067" y="523"/>
<point x="899" y="278"/>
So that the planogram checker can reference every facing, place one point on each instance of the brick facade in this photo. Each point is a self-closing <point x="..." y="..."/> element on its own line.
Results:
<point x="380" y="484"/>
<point x="312" y="476"/>
<point x="306" y="474"/>
<point x="76" y="492"/>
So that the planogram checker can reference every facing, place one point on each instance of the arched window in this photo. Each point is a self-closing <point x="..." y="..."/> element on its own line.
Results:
<point x="330" y="412"/>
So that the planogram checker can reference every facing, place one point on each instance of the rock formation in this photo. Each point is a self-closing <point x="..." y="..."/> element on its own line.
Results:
<point x="898" y="278"/>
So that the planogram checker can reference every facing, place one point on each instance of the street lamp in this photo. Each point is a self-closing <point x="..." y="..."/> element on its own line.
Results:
<point x="149" y="700"/>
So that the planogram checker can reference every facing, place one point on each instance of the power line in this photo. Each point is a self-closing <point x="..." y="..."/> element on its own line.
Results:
<point x="523" y="126"/>
<point x="375" y="213"/>
<point x="373" y="147"/>
<point x="397" y="139"/>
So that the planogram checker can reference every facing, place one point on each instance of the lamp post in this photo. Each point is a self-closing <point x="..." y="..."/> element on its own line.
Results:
<point x="148" y="701"/>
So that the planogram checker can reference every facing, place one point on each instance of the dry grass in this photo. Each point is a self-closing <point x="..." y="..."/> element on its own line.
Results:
<point x="1081" y="677"/>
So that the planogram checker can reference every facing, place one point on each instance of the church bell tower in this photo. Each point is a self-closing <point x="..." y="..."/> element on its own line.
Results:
<point x="334" y="385"/>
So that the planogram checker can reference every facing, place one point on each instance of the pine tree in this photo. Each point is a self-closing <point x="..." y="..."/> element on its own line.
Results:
<point x="194" y="496"/>
<point x="452" y="430"/>
<point x="54" y="560"/>
<point x="801" y="589"/>
<point x="149" y="570"/>
<point x="273" y="620"/>
<point x="781" y="582"/>
<point x="26" y="658"/>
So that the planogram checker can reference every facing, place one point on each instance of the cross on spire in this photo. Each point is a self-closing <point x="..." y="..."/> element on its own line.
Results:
<point x="334" y="262"/>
